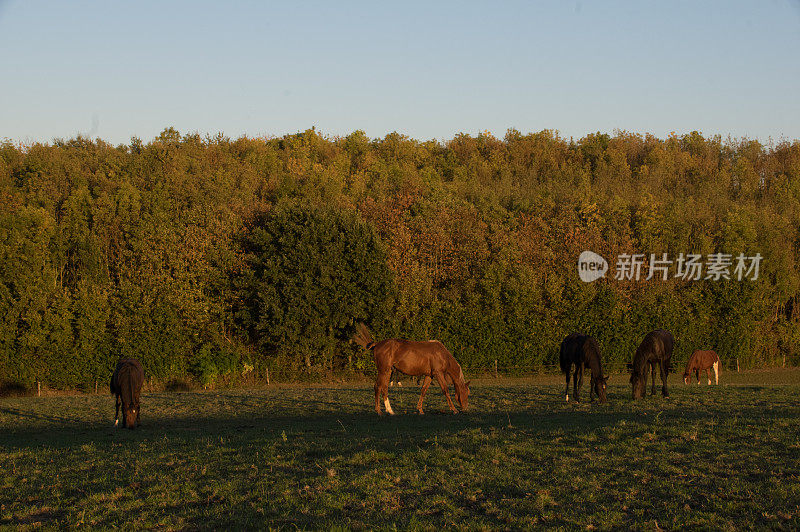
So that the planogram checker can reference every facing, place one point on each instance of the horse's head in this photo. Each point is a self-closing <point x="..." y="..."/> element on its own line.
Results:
<point x="638" y="385"/>
<point x="129" y="414"/>
<point x="600" y="388"/>
<point x="462" y="393"/>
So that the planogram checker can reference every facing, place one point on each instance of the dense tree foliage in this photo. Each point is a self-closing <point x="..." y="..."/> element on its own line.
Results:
<point x="207" y="256"/>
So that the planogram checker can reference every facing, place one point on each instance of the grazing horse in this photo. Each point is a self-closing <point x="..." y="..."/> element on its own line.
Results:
<point x="126" y="384"/>
<point x="655" y="350"/>
<point x="584" y="352"/>
<point x="429" y="359"/>
<point x="702" y="361"/>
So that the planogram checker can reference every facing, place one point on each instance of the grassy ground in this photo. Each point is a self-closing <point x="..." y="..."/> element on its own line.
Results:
<point x="724" y="457"/>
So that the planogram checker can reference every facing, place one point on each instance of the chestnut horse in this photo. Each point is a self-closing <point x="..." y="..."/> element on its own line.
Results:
<point x="702" y="361"/>
<point x="429" y="359"/>
<point x="655" y="350"/>
<point x="126" y="384"/>
<point x="584" y="352"/>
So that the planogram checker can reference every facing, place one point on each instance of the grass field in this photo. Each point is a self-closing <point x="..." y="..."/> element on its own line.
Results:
<point x="317" y="457"/>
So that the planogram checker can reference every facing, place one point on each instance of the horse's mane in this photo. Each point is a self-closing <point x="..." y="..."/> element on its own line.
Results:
<point x="639" y="364"/>
<point x="454" y="368"/>
<point x="593" y="359"/>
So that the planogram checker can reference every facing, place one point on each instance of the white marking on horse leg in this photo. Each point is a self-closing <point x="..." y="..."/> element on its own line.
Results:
<point x="388" y="406"/>
<point x="567" y="397"/>
<point x="716" y="372"/>
<point x="116" y="422"/>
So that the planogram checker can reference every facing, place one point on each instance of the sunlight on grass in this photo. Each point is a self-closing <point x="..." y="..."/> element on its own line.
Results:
<point x="708" y="457"/>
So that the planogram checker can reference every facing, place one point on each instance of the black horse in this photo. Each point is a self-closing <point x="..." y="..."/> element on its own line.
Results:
<point x="584" y="352"/>
<point x="655" y="350"/>
<point x="126" y="384"/>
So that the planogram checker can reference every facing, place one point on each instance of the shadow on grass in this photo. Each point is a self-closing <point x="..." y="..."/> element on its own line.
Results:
<point x="383" y="431"/>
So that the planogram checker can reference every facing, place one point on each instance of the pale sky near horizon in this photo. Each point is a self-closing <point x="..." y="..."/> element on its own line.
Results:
<point x="428" y="70"/>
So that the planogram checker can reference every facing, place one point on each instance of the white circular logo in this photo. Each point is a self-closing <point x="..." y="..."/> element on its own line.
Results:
<point x="591" y="266"/>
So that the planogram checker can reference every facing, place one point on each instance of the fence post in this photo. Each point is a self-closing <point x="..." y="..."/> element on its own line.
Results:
<point x="267" y="376"/>
<point x="38" y="389"/>
<point x="495" y="368"/>
<point x="737" y="364"/>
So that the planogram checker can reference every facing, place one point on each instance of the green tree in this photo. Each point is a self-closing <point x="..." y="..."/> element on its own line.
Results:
<point x="311" y="273"/>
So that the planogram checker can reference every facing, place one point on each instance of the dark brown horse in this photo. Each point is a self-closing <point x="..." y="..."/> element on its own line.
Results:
<point x="429" y="359"/>
<point x="702" y="361"/>
<point x="583" y="352"/>
<point x="126" y="384"/>
<point x="655" y="350"/>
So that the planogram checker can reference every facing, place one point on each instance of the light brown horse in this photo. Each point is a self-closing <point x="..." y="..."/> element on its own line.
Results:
<point x="702" y="361"/>
<point x="429" y="359"/>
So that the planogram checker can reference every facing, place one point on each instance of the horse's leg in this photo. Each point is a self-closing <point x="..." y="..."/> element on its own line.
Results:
<point x="653" y="377"/>
<point x="578" y="382"/>
<point x="592" y="383"/>
<point x="395" y="379"/>
<point x="116" y="415"/>
<point x="425" y="384"/>
<point x="708" y="375"/>
<point x="385" y="391"/>
<point x="716" y="372"/>
<point x="697" y="375"/>
<point x="664" y="391"/>
<point x="378" y="394"/>
<point x="575" y="384"/>
<point x="443" y="383"/>
<point x="566" y="390"/>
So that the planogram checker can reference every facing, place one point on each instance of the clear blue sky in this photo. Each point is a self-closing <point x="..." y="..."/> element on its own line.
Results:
<point x="425" y="69"/>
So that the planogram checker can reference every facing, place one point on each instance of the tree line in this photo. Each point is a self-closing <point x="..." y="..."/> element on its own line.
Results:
<point x="216" y="257"/>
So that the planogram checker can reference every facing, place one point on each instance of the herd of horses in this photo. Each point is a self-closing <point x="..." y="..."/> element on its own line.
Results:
<point x="583" y="351"/>
<point x="431" y="360"/>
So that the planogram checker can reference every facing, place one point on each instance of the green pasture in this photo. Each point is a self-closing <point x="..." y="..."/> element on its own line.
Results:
<point x="317" y="457"/>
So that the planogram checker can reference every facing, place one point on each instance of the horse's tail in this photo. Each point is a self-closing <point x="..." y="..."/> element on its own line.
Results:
<point x="125" y="383"/>
<point x="362" y="337"/>
<point x="563" y="359"/>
